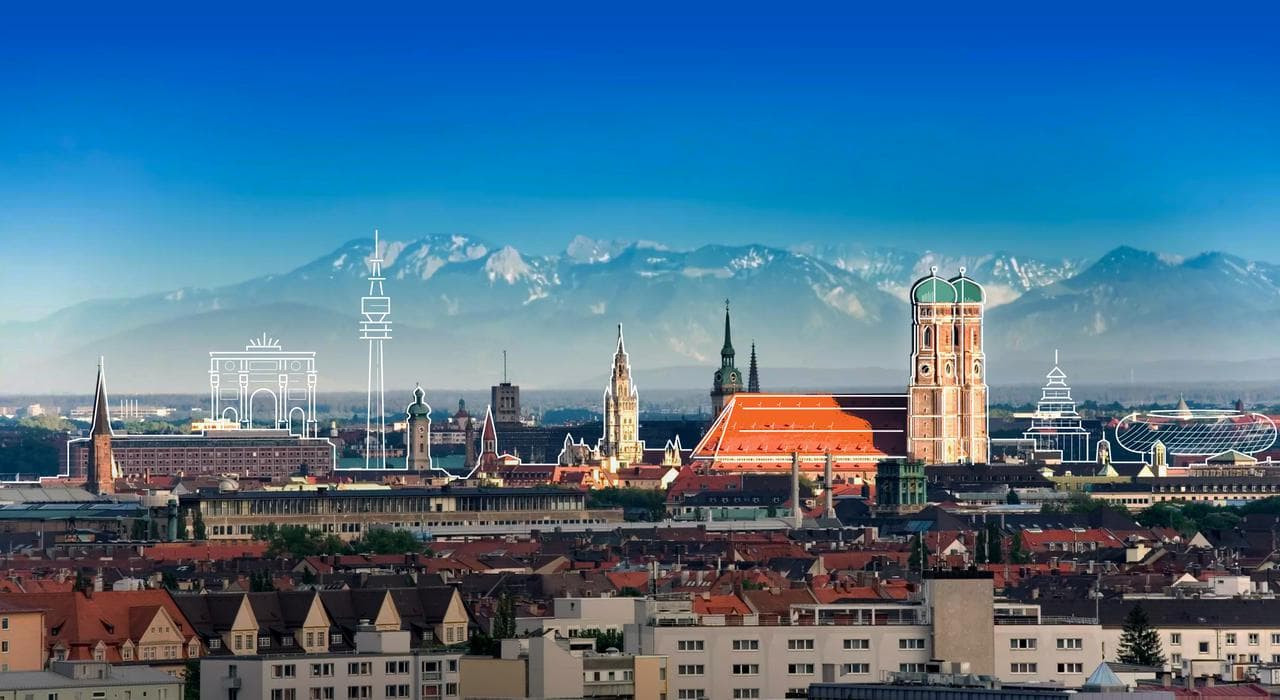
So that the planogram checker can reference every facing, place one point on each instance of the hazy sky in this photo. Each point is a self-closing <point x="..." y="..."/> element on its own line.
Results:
<point x="141" y="151"/>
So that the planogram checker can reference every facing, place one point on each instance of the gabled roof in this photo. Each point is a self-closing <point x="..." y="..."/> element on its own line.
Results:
<point x="763" y="430"/>
<point x="112" y="617"/>
<point x="777" y="601"/>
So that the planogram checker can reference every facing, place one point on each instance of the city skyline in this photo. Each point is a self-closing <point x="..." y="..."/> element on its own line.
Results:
<point x="189" y="142"/>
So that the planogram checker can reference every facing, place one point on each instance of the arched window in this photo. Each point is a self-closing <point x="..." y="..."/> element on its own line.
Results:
<point x="927" y="338"/>
<point x="955" y="336"/>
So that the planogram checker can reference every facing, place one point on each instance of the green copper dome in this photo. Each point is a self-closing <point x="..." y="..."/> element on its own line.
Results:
<point x="419" y="406"/>
<point x="933" y="290"/>
<point x="968" y="291"/>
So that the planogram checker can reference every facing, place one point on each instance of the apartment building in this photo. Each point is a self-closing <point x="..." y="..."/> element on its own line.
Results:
<point x="22" y="633"/>
<point x="90" y="679"/>
<point x="1032" y="647"/>
<point x="383" y="666"/>
<point x="570" y="617"/>
<point x="291" y="622"/>
<point x="955" y="620"/>
<point x="763" y="656"/>
<point x="550" y="666"/>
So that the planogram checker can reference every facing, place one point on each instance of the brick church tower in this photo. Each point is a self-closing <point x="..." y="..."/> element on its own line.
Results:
<point x="948" y="421"/>
<point x="101" y="476"/>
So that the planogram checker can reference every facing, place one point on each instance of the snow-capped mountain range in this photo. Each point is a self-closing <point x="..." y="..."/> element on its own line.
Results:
<point x="458" y="302"/>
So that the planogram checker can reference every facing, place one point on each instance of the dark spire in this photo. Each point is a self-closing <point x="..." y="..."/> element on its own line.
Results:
<point x="101" y="412"/>
<point x="726" y="352"/>
<point x="753" y="372"/>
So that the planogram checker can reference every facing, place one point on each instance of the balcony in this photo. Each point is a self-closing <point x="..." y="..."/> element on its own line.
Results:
<point x="1047" y="620"/>
<point x="608" y="689"/>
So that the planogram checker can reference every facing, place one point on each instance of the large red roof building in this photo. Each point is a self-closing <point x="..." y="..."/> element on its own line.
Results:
<point x="760" y="432"/>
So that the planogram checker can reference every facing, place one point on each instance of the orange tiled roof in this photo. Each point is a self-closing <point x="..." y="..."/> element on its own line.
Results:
<point x="638" y="580"/>
<point x="759" y="432"/>
<point x="727" y="604"/>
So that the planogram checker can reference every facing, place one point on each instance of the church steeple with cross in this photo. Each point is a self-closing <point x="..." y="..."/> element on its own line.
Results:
<point x="728" y="380"/>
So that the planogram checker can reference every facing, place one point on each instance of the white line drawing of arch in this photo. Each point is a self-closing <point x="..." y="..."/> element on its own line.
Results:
<point x="235" y="376"/>
<point x="230" y="413"/>
<point x="297" y="421"/>
<point x="275" y="406"/>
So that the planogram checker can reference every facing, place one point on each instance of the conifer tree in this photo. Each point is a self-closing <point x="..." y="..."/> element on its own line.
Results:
<point x="1139" y="641"/>
<point x="995" y="541"/>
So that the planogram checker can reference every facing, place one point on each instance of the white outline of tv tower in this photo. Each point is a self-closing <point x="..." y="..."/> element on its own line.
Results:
<point x="375" y="328"/>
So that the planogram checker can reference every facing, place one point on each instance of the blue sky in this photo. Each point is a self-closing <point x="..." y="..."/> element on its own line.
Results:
<point x="144" y="150"/>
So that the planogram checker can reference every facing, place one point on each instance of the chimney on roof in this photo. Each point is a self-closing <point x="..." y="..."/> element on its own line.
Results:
<point x="797" y="515"/>
<point x="830" y="511"/>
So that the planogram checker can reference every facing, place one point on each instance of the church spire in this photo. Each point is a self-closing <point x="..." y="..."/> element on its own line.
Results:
<point x="101" y="410"/>
<point x="100" y="475"/>
<point x="726" y="351"/>
<point x="727" y="380"/>
<point x="753" y="372"/>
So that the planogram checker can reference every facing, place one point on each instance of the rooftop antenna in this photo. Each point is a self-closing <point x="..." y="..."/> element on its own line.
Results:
<point x="504" y="366"/>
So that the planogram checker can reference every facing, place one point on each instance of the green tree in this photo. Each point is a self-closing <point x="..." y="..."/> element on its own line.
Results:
<point x="388" y="541"/>
<point x="481" y="644"/>
<point x="298" y="541"/>
<point x="605" y="639"/>
<point x="169" y="581"/>
<point x="1139" y="641"/>
<point x="1013" y="499"/>
<point x="198" y="526"/>
<point x="261" y="582"/>
<point x="504" y="618"/>
<point x="980" y="547"/>
<point x="995" y="542"/>
<point x="919" y="558"/>
<point x="191" y="680"/>
<point x="650" y="503"/>
<point x="1017" y="554"/>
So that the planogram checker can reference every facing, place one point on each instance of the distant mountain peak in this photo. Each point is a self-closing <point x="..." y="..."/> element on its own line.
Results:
<point x="590" y="251"/>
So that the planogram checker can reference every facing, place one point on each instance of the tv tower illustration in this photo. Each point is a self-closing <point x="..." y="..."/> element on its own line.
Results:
<point x="375" y="328"/>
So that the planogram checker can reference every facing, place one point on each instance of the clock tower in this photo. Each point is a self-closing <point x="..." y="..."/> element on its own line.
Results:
<point x="728" y="380"/>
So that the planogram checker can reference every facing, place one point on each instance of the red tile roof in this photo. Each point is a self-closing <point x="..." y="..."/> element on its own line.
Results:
<point x="1103" y="538"/>
<point x="759" y="432"/>
<point x="204" y="551"/>
<point x="638" y="580"/>
<point x="778" y="601"/>
<point x="78" y="622"/>
<point x="728" y="604"/>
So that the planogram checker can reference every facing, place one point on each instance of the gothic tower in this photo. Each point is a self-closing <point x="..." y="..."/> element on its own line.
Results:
<point x="101" y="476"/>
<point x="971" y="365"/>
<point x="621" y="438"/>
<point x="948" y="391"/>
<point x="418" y="436"/>
<point x="728" y="380"/>
<point x="753" y="372"/>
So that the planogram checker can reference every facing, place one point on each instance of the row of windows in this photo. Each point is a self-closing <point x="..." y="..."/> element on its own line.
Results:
<point x="597" y="676"/>
<point x="1063" y="643"/>
<point x="851" y="644"/>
